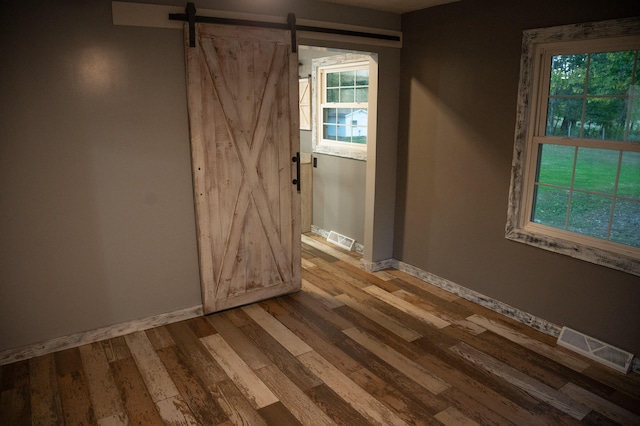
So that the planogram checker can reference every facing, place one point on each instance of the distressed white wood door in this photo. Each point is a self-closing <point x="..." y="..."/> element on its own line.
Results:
<point x="243" y="119"/>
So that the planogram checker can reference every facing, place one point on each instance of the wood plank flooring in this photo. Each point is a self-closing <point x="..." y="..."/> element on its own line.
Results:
<point x="351" y="348"/>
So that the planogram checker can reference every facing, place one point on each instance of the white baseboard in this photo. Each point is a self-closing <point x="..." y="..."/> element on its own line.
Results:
<point x="78" y="339"/>
<point x="379" y="265"/>
<point x="526" y="318"/>
<point x="473" y="296"/>
<point x="66" y="342"/>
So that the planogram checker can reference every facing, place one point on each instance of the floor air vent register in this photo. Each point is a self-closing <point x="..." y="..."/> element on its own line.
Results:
<point x="596" y="350"/>
<point x="340" y="240"/>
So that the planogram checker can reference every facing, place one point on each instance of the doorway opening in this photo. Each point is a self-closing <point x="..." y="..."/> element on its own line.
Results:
<point x="338" y="91"/>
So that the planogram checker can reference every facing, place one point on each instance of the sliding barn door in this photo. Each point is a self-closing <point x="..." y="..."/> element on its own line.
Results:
<point x="243" y="107"/>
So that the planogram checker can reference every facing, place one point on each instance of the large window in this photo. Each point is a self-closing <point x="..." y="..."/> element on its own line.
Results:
<point x="576" y="182"/>
<point x="345" y="87"/>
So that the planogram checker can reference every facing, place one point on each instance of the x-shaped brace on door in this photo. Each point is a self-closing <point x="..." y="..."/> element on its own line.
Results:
<point x="248" y="153"/>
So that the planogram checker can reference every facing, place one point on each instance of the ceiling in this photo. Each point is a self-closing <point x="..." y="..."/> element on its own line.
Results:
<point x="395" y="6"/>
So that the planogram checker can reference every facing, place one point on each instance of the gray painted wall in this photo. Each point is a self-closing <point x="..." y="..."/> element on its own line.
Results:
<point x="97" y="223"/>
<point x="339" y="195"/>
<point x="459" y="80"/>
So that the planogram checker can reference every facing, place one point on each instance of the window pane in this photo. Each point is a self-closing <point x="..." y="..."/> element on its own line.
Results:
<point x="343" y="135"/>
<point x="362" y="94"/>
<point x="634" y="123"/>
<point x="342" y="89"/>
<point x="360" y="117"/>
<point x="333" y="95"/>
<point x="568" y="74"/>
<point x="347" y="95"/>
<point x="629" y="180"/>
<point x="333" y="79"/>
<point x="329" y="132"/>
<point x="605" y="118"/>
<point x="625" y="228"/>
<point x="564" y="117"/>
<point x="556" y="165"/>
<point x="550" y="206"/>
<point x="329" y="115"/>
<point x="596" y="170"/>
<point x="360" y="135"/>
<point x="362" y="78"/>
<point x="589" y="214"/>
<point x="344" y="115"/>
<point x="347" y="78"/>
<point x="611" y="73"/>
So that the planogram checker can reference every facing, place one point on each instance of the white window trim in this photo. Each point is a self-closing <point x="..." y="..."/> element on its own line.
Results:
<point x="343" y="149"/>
<point x="519" y="227"/>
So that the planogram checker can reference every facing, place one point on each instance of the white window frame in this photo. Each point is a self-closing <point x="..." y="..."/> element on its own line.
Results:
<point x="343" y="62"/>
<point x="538" y="46"/>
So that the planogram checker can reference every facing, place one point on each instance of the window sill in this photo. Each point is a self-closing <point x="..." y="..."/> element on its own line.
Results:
<point x="355" y="153"/>
<point x="531" y="235"/>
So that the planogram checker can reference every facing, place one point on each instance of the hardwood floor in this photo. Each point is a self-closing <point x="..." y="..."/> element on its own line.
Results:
<point x="352" y="348"/>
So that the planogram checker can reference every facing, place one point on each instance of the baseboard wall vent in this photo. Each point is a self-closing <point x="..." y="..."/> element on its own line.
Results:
<point x="598" y="351"/>
<point x="340" y="240"/>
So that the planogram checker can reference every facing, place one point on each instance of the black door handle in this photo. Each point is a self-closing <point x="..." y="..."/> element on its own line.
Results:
<point x="296" y="181"/>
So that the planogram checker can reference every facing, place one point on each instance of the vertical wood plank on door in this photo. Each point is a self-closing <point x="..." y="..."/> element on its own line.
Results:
<point x="199" y="100"/>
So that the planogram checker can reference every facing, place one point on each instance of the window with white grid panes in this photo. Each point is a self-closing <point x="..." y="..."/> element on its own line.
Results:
<point x="580" y="162"/>
<point x="345" y="104"/>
